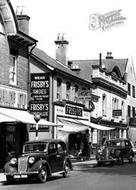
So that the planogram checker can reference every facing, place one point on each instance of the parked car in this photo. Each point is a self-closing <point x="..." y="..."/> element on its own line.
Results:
<point x="133" y="147"/>
<point x="115" y="150"/>
<point x="40" y="159"/>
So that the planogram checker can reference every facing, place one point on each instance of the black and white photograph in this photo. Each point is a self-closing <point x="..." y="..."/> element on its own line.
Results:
<point x="67" y="95"/>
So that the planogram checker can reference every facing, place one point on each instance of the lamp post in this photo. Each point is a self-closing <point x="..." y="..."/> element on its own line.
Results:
<point x="36" y="118"/>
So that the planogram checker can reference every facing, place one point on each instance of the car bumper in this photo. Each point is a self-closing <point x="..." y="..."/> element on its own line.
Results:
<point x="22" y="175"/>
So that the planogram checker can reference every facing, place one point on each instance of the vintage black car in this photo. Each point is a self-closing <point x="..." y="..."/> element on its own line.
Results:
<point x="40" y="159"/>
<point x="115" y="150"/>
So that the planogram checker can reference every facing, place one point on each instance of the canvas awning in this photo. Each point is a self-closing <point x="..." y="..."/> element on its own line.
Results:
<point x="96" y="126"/>
<point x="48" y="123"/>
<point x="71" y="125"/>
<point x="11" y="115"/>
<point x="4" y="118"/>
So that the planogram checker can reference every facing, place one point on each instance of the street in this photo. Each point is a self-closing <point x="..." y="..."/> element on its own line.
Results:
<point x="86" y="177"/>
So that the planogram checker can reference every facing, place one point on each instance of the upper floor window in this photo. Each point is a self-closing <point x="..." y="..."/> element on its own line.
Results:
<point x="129" y="111"/>
<point x="13" y="69"/>
<point x="133" y="91"/>
<point x="59" y="88"/>
<point x="68" y="88"/>
<point x="76" y="92"/>
<point x="133" y="112"/>
<point x="104" y="105"/>
<point x="123" y="109"/>
<point x="129" y="89"/>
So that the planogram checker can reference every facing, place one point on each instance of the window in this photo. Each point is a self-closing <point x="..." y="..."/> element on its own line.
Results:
<point x="129" y="111"/>
<point x="59" y="87"/>
<point x="52" y="148"/>
<point x="104" y="105"/>
<point x="123" y="109"/>
<point x="61" y="147"/>
<point x="68" y="88"/>
<point x="13" y="69"/>
<point x="133" y="112"/>
<point x="133" y="91"/>
<point x="129" y="89"/>
<point x="76" y="92"/>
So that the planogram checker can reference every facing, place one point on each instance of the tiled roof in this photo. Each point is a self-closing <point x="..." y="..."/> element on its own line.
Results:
<point x="41" y="55"/>
<point x="86" y="66"/>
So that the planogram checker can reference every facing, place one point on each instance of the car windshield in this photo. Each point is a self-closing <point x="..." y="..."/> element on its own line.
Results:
<point x="114" y="143"/>
<point x="35" y="147"/>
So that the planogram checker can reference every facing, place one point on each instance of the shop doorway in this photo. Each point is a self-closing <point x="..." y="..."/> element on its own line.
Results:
<point x="13" y="136"/>
<point x="78" y="144"/>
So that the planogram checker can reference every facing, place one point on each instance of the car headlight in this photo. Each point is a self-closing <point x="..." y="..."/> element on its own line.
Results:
<point x="13" y="161"/>
<point x="31" y="160"/>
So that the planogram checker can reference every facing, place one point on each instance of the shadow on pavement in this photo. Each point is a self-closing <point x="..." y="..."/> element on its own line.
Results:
<point x="125" y="169"/>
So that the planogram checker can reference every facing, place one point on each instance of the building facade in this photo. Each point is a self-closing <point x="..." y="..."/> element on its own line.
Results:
<point x="14" y="50"/>
<point x="110" y="84"/>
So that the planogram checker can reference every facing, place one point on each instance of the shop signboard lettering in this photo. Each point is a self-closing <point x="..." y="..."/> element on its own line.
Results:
<point x="13" y="98"/>
<point x="117" y="113"/>
<point x="39" y="86"/>
<point x="39" y="104"/>
<point x="72" y="110"/>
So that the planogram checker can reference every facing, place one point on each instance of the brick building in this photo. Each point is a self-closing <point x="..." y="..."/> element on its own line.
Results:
<point x="14" y="63"/>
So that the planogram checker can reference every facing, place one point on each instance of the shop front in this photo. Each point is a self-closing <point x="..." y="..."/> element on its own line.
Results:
<point x="72" y="131"/>
<point x="14" y="125"/>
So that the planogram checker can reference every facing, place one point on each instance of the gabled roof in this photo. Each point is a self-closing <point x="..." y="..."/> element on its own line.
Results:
<point x="47" y="60"/>
<point x="109" y="65"/>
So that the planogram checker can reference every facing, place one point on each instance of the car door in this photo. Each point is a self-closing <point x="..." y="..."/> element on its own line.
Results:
<point x="128" y="148"/>
<point x="61" y="154"/>
<point x="52" y="157"/>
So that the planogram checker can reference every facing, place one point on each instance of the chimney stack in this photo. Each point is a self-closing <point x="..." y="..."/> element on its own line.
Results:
<point x="109" y="55"/>
<point x="23" y="19"/>
<point x="61" y="49"/>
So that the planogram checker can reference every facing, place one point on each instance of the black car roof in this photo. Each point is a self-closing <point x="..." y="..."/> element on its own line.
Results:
<point x="116" y="140"/>
<point x="44" y="141"/>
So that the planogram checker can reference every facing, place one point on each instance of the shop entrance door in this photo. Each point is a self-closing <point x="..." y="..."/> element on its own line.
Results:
<point x="12" y="139"/>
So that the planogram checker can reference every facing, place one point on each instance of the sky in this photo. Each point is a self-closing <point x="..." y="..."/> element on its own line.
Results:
<point x="72" y="17"/>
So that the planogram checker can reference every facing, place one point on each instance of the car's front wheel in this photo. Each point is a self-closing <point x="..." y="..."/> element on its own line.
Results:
<point x="43" y="175"/>
<point x="66" y="172"/>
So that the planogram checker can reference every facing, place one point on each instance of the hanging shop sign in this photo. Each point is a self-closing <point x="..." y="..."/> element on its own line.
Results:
<point x="39" y="86"/>
<point x="40" y="94"/>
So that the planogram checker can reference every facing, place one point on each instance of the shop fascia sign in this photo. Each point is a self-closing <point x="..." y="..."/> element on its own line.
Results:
<point x="117" y="112"/>
<point x="13" y="98"/>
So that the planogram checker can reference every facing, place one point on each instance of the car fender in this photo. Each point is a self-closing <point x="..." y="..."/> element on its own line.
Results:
<point x="39" y="164"/>
<point x="67" y="159"/>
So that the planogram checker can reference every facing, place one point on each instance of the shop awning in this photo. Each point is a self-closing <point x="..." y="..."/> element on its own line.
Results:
<point x="48" y="123"/>
<point x="71" y="125"/>
<point x="4" y="118"/>
<point x="96" y="126"/>
<point x="16" y="115"/>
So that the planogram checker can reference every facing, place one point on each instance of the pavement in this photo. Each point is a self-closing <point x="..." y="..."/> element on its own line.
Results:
<point x="77" y="165"/>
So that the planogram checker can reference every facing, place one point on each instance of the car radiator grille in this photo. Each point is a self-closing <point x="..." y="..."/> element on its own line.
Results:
<point x="22" y="164"/>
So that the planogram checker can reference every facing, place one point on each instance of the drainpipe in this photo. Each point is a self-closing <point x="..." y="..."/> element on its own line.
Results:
<point x="29" y="74"/>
